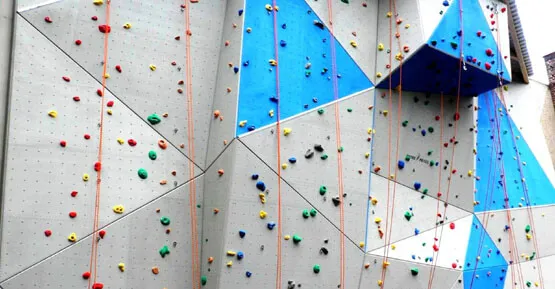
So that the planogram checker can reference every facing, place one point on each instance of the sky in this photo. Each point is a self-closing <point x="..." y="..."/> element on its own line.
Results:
<point x="538" y="18"/>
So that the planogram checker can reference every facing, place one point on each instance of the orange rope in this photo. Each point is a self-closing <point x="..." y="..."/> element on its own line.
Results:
<point x="94" y="241"/>
<point x="278" y="136"/>
<point x="195" y="262"/>
<point x="339" y="157"/>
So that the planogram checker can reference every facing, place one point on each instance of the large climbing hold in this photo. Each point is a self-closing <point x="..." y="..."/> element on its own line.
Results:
<point x="154" y="119"/>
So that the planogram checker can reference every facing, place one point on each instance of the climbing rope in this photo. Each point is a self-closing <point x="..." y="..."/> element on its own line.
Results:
<point x="390" y="213"/>
<point x="94" y="242"/>
<point x="278" y="135"/>
<point x="195" y="258"/>
<point x="339" y="157"/>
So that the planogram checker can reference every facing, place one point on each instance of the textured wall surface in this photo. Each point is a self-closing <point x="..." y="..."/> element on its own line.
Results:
<point x="243" y="144"/>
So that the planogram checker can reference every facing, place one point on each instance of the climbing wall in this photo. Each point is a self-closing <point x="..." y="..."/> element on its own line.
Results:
<point x="287" y="144"/>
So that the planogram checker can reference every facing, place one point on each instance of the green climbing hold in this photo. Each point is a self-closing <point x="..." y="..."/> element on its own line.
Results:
<point x="321" y="111"/>
<point x="313" y="213"/>
<point x="198" y="206"/>
<point x="345" y="1"/>
<point x="432" y="163"/>
<point x="407" y="158"/>
<point x="306" y="214"/>
<point x="349" y="109"/>
<point x="430" y="129"/>
<point x="414" y="271"/>
<point x="142" y="173"/>
<point x="527" y="229"/>
<point x="297" y="239"/>
<point x="533" y="256"/>
<point x="430" y="152"/>
<point x="340" y="149"/>
<point x="408" y="215"/>
<point x="316" y="268"/>
<point x="528" y="284"/>
<point x="165" y="221"/>
<point x="425" y="191"/>
<point x="164" y="251"/>
<point x="154" y="119"/>
<point x="324" y="157"/>
<point x="323" y="190"/>
<point x="203" y="280"/>
<point x="152" y="155"/>
<point x="405" y="123"/>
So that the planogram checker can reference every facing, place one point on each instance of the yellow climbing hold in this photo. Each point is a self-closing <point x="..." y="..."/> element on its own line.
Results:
<point x="72" y="237"/>
<point x="98" y="2"/>
<point x="361" y="244"/>
<point x="380" y="282"/>
<point x="231" y="253"/>
<point x="106" y="75"/>
<point x="385" y="264"/>
<point x="286" y="237"/>
<point x="377" y="220"/>
<point x="528" y="237"/>
<point x="407" y="26"/>
<point x="393" y="247"/>
<point x="367" y="155"/>
<point x="271" y="113"/>
<point x="262" y="198"/>
<point x="269" y="7"/>
<point x="229" y="264"/>
<point x="121" y="267"/>
<point x="242" y="123"/>
<point x="284" y="166"/>
<point x="381" y="47"/>
<point x="385" y="113"/>
<point x="353" y="44"/>
<point x="127" y="25"/>
<point x="389" y="14"/>
<point x="109" y="111"/>
<point x="263" y="214"/>
<point x="470" y="173"/>
<point x="85" y="177"/>
<point x="399" y="56"/>
<point x="276" y="8"/>
<point x="272" y="62"/>
<point x="53" y="113"/>
<point x="379" y="74"/>
<point x="118" y="209"/>
<point x="374" y="201"/>
<point x="287" y="131"/>
<point x="121" y="141"/>
<point x="152" y="67"/>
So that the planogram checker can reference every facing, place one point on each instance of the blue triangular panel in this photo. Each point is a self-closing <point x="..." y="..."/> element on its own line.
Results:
<point x="477" y="39"/>
<point x="490" y="194"/>
<point x="485" y="266"/>
<point x="304" y="42"/>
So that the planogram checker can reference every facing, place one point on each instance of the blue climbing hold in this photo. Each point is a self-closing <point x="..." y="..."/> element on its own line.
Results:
<point x="251" y="128"/>
<point x="417" y="186"/>
<point x="423" y="132"/>
<point x="242" y="233"/>
<point x="283" y="43"/>
<point x="292" y="160"/>
<point x="246" y="63"/>
<point x="248" y="274"/>
<point x="240" y="12"/>
<point x="401" y="165"/>
<point x="416" y="231"/>
<point x="445" y="3"/>
<point x="274" y="99"/>
<point x="235" y="69"/>
<point x="254" y="176"/>
<point x="261" y="186"/>
<point x="271" y="225"/>
<point x="284" y="26"/>
<point x="240" y="255"/>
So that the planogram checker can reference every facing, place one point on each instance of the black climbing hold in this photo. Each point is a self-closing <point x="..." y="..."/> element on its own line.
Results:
<point x="319" y="24"/>
<point x="246" y="63"/>
<point x="324" y="251"/>
<point x="309" y="154"/>
<point x="283" y="43"/>
<point x="254" y="177"/>
<point x="274" y="99"/>
<point x="336" y="201"/>
<point x="251" y="128"/>
<point x="318" y="148"/>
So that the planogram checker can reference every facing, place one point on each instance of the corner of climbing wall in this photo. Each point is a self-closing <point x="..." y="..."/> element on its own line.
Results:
<point x="226" y="94"/>
<point x="241" y="227"/>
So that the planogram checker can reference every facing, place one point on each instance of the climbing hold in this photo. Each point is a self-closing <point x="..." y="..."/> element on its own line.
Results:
<point x="162" y="144"/>
<point x="118" y="209"/>
<point x="528" y="237"/>
<point x="286" y="131"/>
<point x="309" y="154"/>
<point x="152" y="155"/>
<point x="262" y="214"/>
<point x="165" y="221"/>
<point x="66" y="78"/>
<point x="72" y="237"/>
<point x="164" y="251"/>
<point x="63" y="143"/>
<point x="283" y="43"/>
<point x="152" y="67"/>
<point x="272" y="62"/>
<point x="377" y="220"/>
<point x="143" y="174"/>
<point x="104" y="28"/>
<point x="47" y="233"/>
<point x="132" y="142"/>
<point x="127" y="25"/>
<point x="361" y="244"/>
<point x="408" y="215"/>
<point x="452" y="226"/>
<point x="323" y="190"/>
<point x="417" y="186"/>
<point x="98" y="2"/>
<point x="210" y="260"/>
<point x="271" y="225"/>
<point x="306" y="214"/>
<point x="155" y="270"/>
<point x="292" y="160"/>
<point x="268" y="7"/>
<point x="379" y="74"/>
<point x="229" y="264"/>
<point x="53" y="114"/>
<point x="97" y="286"/>
<point x="313" y="212"/>
<point x="86" y="275"/>
<point x="284" y="166"/>
<point x="353" y="43"/>
<point x="286" y="237"/>
<point x="220" y="172"/>
<point x="381" y="47"/>
<point x="527" y="229"/>
<point x="414" y="271"/>
<point x="248" y="274"/>
<point x="72" y="214"/>
<point x="242" y="233"/>
<point x="297" y="239"/>
<point x="154" y="119"/>
<point x="118" y="68"/>
<point x="240" y="255"/>
<point x="231" y="253"/>
<point x="324" y="156"/>
<point x="401" y="165"/>
<point x="85" y="177"/>
<point x="102" y="233"/>
<point x="47" y="19"/>
<point x="316" y="269"/>
<point x="121" y="267"/>
<point x="319" y="24"/>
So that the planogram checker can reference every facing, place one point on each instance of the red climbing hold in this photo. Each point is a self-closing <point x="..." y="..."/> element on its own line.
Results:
<point x="94" y="18"/>
<point x="503" y="9"/>
<point x="445" y="144"/>
<point x="74" y="193"/>
<point x="489" y="52"/>
<point x="437" y="117"/>
<point x="86" y="275"/>
<point x="177" y="37"/>
<point x="457" y="116"/>
<point x="47" y="233"/>
<point x="452" y="226"/>
<point x="488" y="66"/>
<point x="436" y="247"/>
<point x="87" y="136"/>
<point x="174" y="63"/>
<point x="439" y="194"/>
<point x="97" y="286"/>
<point x="132" y="142"/>
<point x="493" y="22"/>
<point x="78" y="42"/>
<point x="110" y="103"/>
<point x="97" y="166"/>
<point x="118" y="68"/>
<point x="47" y="19"/>
<point x="479" y="33"/>
<point x="364" y="4"/>
<point x="104" y="28"/>
<point x="221" y="172"/>
<point x="454" y="265"/>
<point x="102" y="233"/>
<point x="99" y="92"/>
<point x="72" y="214"/>
<point x="76" y="98"/>
<point x="63" y="143"/>
<point x="66" y="78"/>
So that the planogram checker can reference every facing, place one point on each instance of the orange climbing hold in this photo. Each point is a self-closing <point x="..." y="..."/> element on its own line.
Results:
<point x="220" y="172"/>
<point x="216" y="113"/>
<point x="163" y="144"/>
